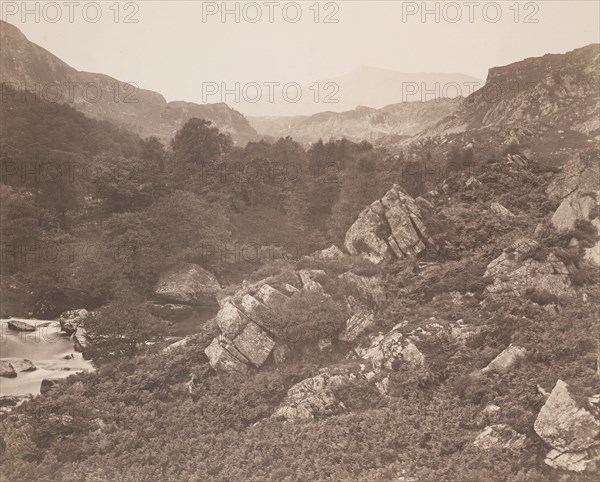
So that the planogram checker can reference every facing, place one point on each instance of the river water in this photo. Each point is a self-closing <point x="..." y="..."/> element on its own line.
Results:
<point x="46" y="348"/>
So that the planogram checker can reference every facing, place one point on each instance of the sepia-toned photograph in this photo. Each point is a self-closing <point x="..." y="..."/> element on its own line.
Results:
<point x="300" y="241"/>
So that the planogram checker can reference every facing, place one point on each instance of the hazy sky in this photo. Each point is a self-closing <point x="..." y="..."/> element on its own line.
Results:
<point x="172" y="49"/>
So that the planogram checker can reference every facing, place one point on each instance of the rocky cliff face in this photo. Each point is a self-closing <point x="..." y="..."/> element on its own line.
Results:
<point x="395" y="121"/>
<point x="27" y="66"/>
<point x="559" y="90"/>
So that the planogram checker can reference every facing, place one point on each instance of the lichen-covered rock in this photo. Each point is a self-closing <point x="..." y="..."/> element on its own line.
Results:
<point x="389" y="228"/>
<point x="576" y="207"/>
<point x="385" y="351"/>
<point x="564" y="424"/>
<point x="505" y="360"/>
<point x="313" y="397"/>
<point x="366" y="287"/>
<point x="231" y="320"/>
<point x="254" y="343"/>
<point x="500" y="436"/>
<point x="583" y="461"/>
<point x="188" y="284"/>
<point x="70" y="320"/>
<point x="514" y="272"/>
<point x="356" y="325"/>
<point x="224" y="356"/>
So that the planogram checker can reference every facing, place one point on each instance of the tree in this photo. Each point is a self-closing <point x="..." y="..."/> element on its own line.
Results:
<point x="198" y="142"/>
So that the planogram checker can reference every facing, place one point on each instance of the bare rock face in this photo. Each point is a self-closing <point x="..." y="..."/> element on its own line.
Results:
<point x="571" y="429"/>
<point x="514" y="272"/>
<point x="70" y="320"/>
<point x="188" y="285"/>
<point x="313" y="397"/>
<point x="505" y="360"/>
<point x="387" y="350"/>
<point x="576" y="207"/>
<point x="500" y="436"/>
<point x="582" y="173"/>
<point x="389" y="228"/>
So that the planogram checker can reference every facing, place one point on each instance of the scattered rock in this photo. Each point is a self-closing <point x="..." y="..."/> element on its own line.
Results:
<point x="500" y="436"/>
<point x="17" y="325"/>
<point x="500" y="210"/>
<point x="505" y="360"/>
<point x="188" y="284"/>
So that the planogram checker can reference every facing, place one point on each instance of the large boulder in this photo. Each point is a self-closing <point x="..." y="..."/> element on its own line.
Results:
<point x="224" y="356"/>
<point x="386" y="351"/>
<point x="514" y="272"/>
<point x="313" y="397"/>
<point x="572" y="428"/>
<point x="23" y="365"/>
<point x="389" y="228"/>
<point x="576" y="207"/>
<point x="254" y="343"/>
<point x="70" y="320"/>
<point x="7" y="370"/>
<point x="17" y="325"/>
<point x="189" y="285"/>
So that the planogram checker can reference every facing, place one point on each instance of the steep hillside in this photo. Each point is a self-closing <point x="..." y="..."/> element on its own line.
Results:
<point x="26" y="65"/>
<point x="559" y="91"/>
<point x="375" y="125"/>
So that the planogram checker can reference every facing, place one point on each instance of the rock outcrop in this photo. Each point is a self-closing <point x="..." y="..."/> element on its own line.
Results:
<point x="572" y="429"/>
<point x="389" y="228"/>
<point x="188" y="285"/>
<point x="356" y="325"/>
<point x="515" y="272"/>
<point x="386" y="351"/>
<point x="313" y="397"/>
<point x="70" y="320"/>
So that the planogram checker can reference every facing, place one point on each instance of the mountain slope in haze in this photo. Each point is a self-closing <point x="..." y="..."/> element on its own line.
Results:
<point x="561" y="91"/>
<point x="365" y="86"/>
<point x="26" y="65"/>
<point x="401" y="120"/>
